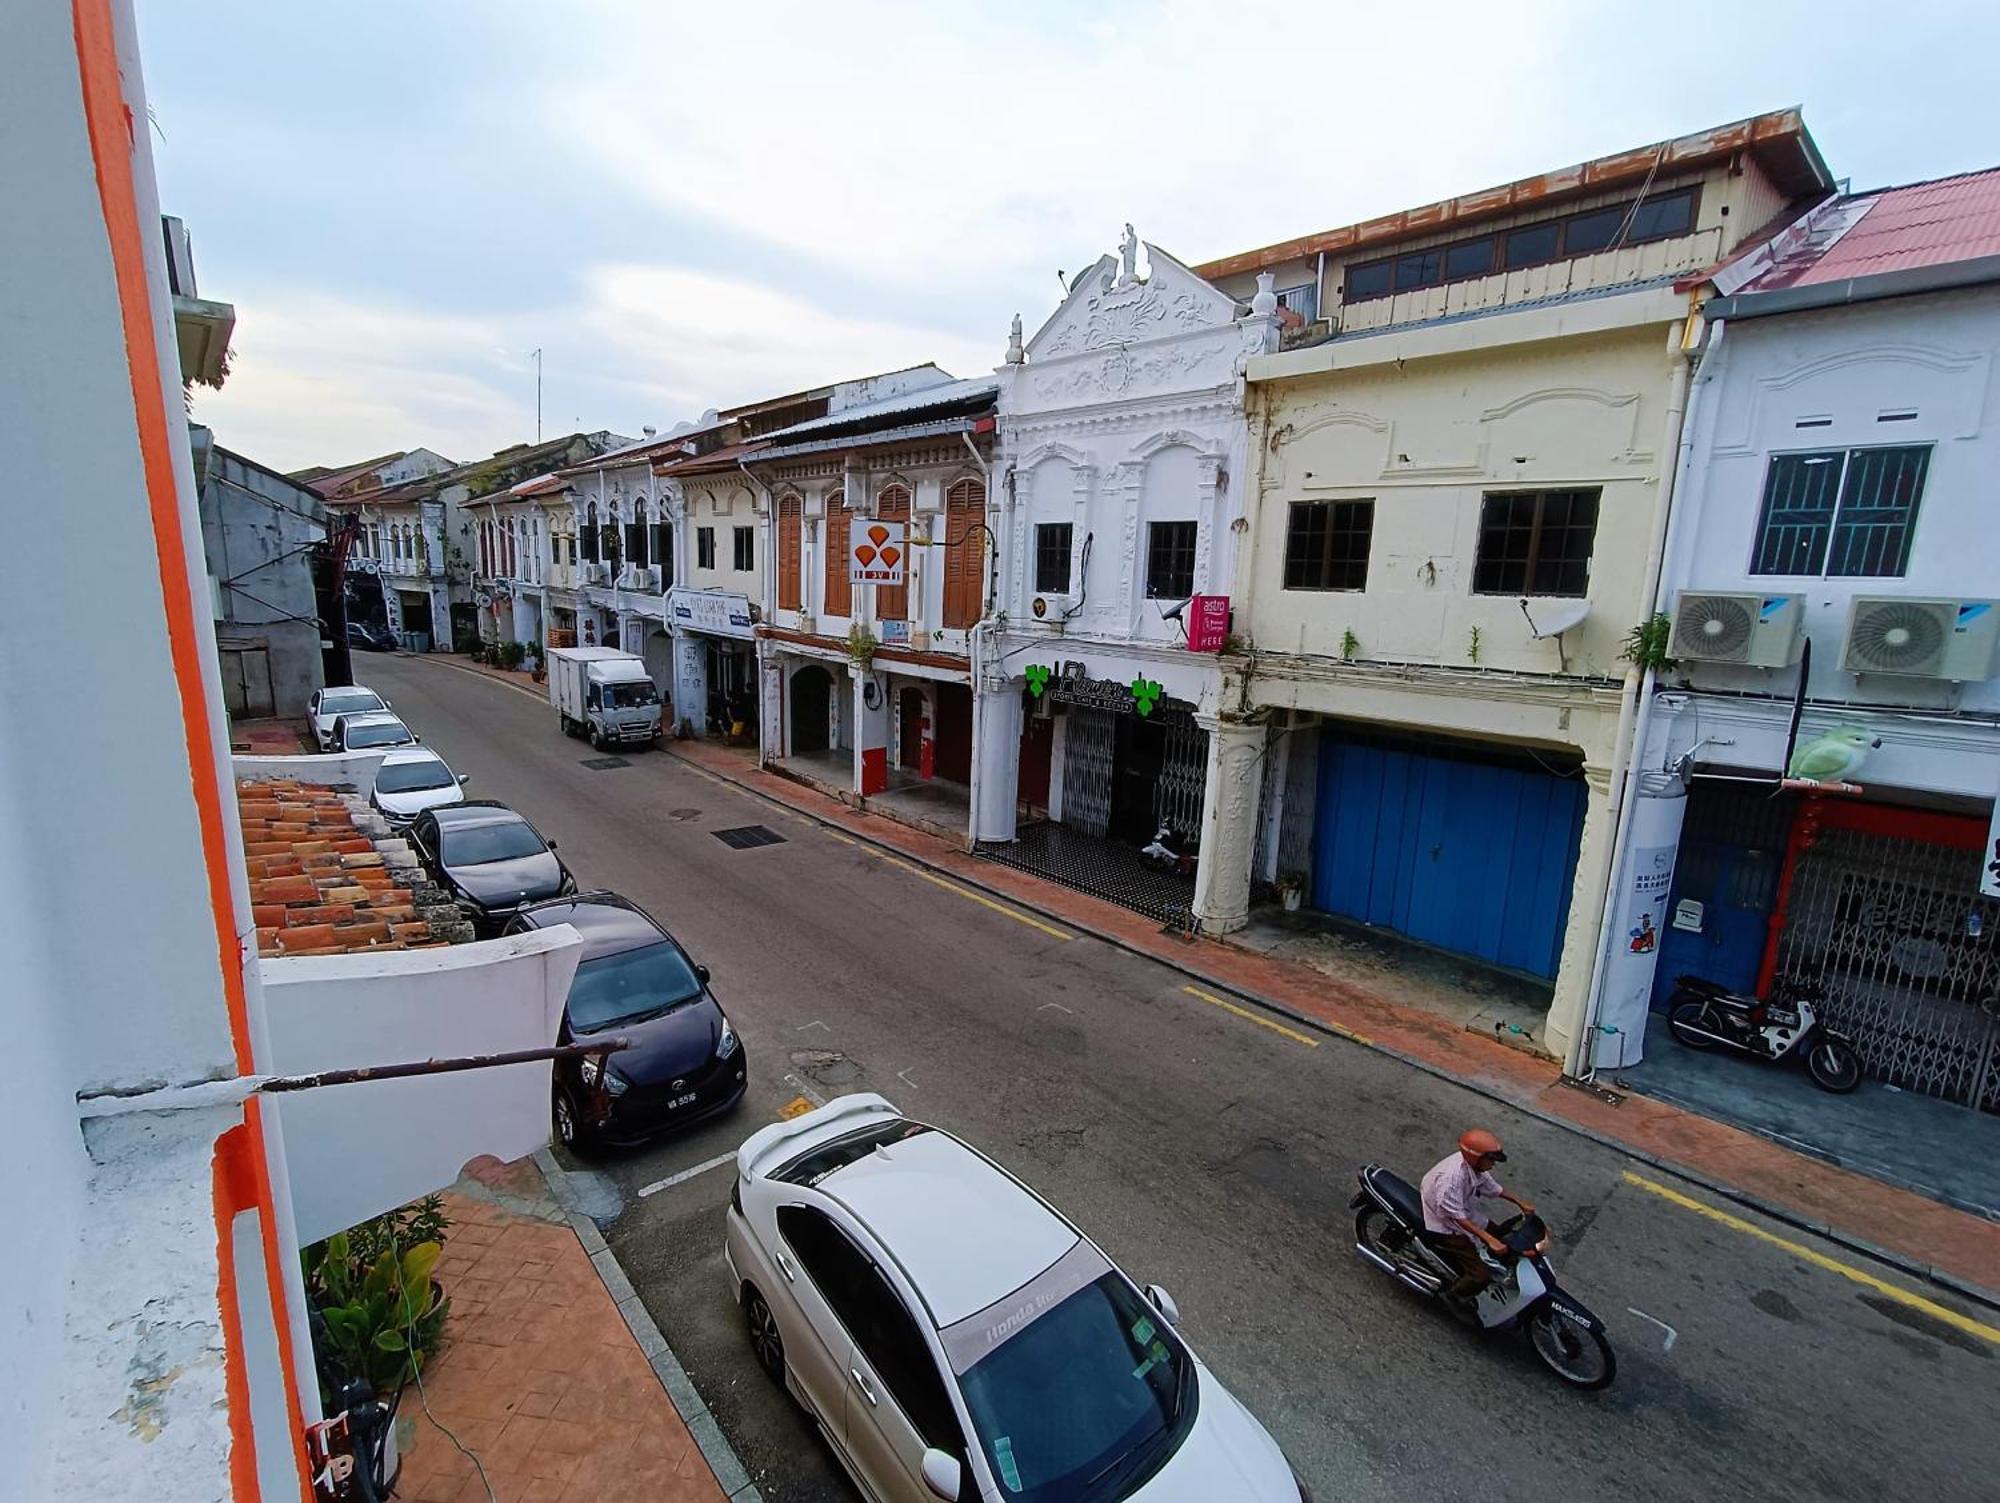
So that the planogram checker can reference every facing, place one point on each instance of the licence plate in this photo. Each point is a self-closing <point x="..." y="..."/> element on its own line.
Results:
<point x="680" y="1101"/>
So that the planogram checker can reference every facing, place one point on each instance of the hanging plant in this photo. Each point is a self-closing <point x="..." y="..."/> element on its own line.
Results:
<point x="1647" y="644"/>
<point x="861" y="644"/>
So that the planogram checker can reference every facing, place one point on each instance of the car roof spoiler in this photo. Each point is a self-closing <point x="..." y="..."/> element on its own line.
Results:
<point x="788" y="1139"/>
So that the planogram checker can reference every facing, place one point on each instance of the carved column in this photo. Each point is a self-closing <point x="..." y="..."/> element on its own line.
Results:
<point x="1228" y="823"/>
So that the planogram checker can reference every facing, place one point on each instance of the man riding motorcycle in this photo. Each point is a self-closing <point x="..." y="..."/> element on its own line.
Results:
<point x="1454" y="1226"/>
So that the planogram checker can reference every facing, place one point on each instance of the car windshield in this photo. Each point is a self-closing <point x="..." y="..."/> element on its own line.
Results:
<point x="1082" y="1402"/>
<point x="634" y="983"/>
<point x="383" y="733"/>
<point x="473" y="845"/>
<point x="627" y="696"/>
<point x="349" y="702"/>
<point x="411" y="777"/>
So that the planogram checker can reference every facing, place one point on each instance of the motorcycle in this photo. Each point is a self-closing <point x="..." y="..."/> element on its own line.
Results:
<point x="1161" y="852"/>
<point x="1703" y="1015"/>
<point x="1521" y="1293"/>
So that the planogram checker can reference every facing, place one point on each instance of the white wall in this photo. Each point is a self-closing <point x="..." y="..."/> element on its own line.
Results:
<point x="356" y="1151"/>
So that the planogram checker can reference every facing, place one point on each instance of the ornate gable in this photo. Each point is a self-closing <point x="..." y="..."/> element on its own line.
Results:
<point x="1108" y="306"/>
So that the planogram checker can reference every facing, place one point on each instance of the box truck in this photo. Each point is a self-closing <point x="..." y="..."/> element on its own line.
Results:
<point x="603" y="694"/>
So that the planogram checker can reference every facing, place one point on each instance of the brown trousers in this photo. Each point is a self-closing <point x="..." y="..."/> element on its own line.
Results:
<point x="1458" y="1251"/>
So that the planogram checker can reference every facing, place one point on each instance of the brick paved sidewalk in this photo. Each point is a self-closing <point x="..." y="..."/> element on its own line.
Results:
<point x="1921" y="1235"/>
<point x="539" y="1376"/>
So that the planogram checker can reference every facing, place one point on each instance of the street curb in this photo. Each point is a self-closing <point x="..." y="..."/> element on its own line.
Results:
<point x="1777" y="1212"/>
<point x="721" y="1457"/>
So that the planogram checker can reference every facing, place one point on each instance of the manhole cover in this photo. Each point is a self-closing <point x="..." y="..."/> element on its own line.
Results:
<point x="748" y="837"/>
<point x="604" y="764"/>
<point x="684" y="814"/>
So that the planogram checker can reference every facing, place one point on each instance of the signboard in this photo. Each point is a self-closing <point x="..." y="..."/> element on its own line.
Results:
<point x="1208" y="623"/>
<point x="1092" y="693"/>
<point x="1989" y="871"/>
<point x="875" y="552"/>
<point x="719" y="613"/>
<point x="1688" y="914"/>
<point x="894" y="631"/>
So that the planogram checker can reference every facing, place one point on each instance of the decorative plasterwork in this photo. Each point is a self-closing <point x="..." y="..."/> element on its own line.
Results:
<point x="1744" y="427"/>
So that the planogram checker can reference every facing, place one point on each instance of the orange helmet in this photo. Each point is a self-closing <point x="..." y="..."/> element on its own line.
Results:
<point x="1478" y="1143"/>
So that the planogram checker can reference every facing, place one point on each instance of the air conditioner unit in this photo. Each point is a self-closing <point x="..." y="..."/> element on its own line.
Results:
<point x="1758" y="631"/>
<point x="1949" y="639"/>
<point x="1051" y="607"/>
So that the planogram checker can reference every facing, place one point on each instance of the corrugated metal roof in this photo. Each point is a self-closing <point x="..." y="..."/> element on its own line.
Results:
<point x="921" y="400"/>
<point x="907" y="433"/>
<point x="1900" y="229"/>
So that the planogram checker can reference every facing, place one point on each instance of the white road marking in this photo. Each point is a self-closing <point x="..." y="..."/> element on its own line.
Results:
<point x="1057" y="1006"/>
<point x="1668" y="1344"/>
<point x="809" y="1027"/>
<point x="687" y="1174"/>
<point x="904" y="1076"/>
<point x="806" y="1090"/>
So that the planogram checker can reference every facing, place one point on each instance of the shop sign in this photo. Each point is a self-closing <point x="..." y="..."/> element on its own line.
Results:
<point x="1208" y="623"/>
<point x="716" y="612"/>
<point x="1141" y="696"/>
<point x="894" y="632"/>
<point x="875" y="553"/>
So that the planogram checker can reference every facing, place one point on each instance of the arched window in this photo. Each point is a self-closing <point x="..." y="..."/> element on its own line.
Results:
<point x="892" y="602"/>
<point x="635" y="535"/>
<point x="589" y="530"/>
<point x="791" y="529"/>
<point x="839" y="595"/>
<point x="965" y="553"/>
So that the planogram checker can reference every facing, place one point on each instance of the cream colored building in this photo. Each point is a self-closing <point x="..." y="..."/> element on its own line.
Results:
<point x="1459" y="464"/>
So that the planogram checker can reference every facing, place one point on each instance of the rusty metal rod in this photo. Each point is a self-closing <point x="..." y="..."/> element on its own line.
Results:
<point x="439" y="1066"/>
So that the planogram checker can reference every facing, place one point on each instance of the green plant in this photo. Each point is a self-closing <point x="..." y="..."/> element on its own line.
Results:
<point x="1472" y="644"/>
<point x="379" y="1315"/>
<point x="509" y="654"/>
<point x="1647" y="644"/>
<point x="1291" y="881"/>
<point x="861" y="644"/>
<point x="1349" y="645"/>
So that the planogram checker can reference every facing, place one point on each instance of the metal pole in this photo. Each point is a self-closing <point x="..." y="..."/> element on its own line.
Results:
<point x="538" y="396"/>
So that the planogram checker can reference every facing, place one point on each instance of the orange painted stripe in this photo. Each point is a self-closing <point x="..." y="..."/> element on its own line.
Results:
<point x="110" y="125"/>
<point x="235" y="1190"/>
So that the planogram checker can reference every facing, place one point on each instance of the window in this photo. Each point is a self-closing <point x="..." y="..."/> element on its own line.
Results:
<point x="635" y="535"/>
<point x="1841" y="512"/>
<point x="839" y="591"/>
<point x="1302" y="300"/>
<point x="1659" y="218"/>
<point x="1326" y="545"/>
<point x="1470" y="258"/>
<point x="892" y="602"/>
<point x="1170" y="560"/>
<point x="1424" y="268"/>
<point x="662" y="541"/>
<point x="746" y="549"/>
<point x="791" y="519"/>
<point x="966" y="538"/>
<point x="1584" y="233"/>
<point x="1372" y="279"/>
<point x="590" y="534"/>
<point x="704" y="547"/>
<point x="1535" y="543"/>
<point x="1052" y="558"/>
<point x="1533" y="244"/>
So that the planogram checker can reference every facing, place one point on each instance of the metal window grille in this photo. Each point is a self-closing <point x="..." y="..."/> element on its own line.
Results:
<point x="1302" y="300"/>
<point x="1838" y="512"/>
<point x="1170" y="560"/>
<point x="1177" y="796"/>
<point x="1052" y="540"/>
<point x="1090" y="744"/>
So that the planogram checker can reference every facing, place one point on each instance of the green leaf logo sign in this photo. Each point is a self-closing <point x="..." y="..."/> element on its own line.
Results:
<point x="1037" y="675"/>
<point x="1145" y="694"/>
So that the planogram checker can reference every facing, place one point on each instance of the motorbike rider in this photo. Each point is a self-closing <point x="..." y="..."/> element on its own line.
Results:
<point x="1454" y="1226"/>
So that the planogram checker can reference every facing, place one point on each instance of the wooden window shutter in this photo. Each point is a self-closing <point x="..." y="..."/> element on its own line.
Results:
<point x="964" y="558"/>
<point x="892" y="602"/>
<point x="839" y="595"/>
<point x="791" y="511"/>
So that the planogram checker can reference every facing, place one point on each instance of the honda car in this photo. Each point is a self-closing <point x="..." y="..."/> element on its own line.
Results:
<point x="412" y="779"/>
<point x="490" y="859"/>
<point x="328" y="705"/>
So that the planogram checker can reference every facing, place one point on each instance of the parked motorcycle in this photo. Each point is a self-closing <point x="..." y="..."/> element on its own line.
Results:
<point x="1162" y="854"/>
<point x="1521" y="1294"/>
<point x="1703" y="1015"/>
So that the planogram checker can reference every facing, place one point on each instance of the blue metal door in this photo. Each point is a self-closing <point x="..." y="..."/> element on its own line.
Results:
<point x="1471" y="856"/>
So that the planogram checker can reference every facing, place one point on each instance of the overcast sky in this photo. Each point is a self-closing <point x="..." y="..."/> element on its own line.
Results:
<point x="690" y="208"/>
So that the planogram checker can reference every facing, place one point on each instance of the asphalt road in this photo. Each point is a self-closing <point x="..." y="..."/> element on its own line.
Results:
<point x="1216" y="1155"/>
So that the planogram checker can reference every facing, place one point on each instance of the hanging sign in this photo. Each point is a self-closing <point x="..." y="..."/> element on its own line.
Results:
<point x="875" y="552"/>
<point x="1208" y="623"/>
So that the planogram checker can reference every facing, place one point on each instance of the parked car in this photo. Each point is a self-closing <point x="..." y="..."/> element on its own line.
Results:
<point x="955" y="1337"/>
<point x="490" y="859"/>
<point x="371" y="637"/>
<point x="685" y="1061"/>
<point x="412" y="779"/>
<point x="369" y="731"/>
<point x="328" y="705"/>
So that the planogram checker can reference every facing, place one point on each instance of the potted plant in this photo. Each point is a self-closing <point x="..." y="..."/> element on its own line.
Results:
<point x="861" y="644"/>
<point x="1291" y="890"/>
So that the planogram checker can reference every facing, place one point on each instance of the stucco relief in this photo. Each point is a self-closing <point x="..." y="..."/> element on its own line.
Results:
<point x="1852" y="385"/>
<point x="1566" y="428"/>
<point x="1337" y="449"/>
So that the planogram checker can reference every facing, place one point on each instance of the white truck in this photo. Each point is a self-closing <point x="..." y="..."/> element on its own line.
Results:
<point x="603" y="694"/>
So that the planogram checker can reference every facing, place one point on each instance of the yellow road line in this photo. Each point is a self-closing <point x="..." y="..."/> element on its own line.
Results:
<point x="966" y="892"/>
<point x="1247" y="1015"/>
<point x="1819" y="1260"/>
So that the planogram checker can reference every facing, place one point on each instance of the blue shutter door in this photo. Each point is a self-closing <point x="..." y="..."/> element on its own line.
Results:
<point x="1469" y="856"/>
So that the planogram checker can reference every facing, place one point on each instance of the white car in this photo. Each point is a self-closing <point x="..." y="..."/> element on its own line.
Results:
<point x="956" y="1338"/>
<point x="412" y="779"/>
<point x="328" y="705"/>
<point x="370" y="731"/>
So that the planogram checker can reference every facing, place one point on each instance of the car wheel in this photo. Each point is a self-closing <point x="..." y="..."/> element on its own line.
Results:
<point x="765" y="1343"/>
<point x="566" y="1123"/>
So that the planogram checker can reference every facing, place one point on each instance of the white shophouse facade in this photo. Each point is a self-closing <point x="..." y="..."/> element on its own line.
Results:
<point x="1123" y="451"/>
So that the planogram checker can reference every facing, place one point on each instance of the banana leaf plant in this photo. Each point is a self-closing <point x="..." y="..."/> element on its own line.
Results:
<point x="377" y="1321"/>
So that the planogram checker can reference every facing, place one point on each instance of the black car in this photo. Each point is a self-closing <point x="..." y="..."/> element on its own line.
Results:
<point x="490" y="859"/>
<point x="685" y="1061"/>
<point x="371" y="637"/>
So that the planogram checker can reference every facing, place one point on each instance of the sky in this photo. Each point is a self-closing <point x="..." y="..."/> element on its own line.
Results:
<point x="692" y="207"/>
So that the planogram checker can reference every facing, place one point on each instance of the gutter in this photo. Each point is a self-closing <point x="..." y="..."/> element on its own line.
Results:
<point x="1976" y="272"/>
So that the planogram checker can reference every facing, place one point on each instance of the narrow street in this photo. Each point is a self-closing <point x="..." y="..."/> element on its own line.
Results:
<point x="1213" y="1151"/>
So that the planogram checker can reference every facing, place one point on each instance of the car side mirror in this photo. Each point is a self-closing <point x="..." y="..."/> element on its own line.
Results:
<point x="701" y="974"/>
<point x="552" y="845"/>
<point x="942" y="1474"/>
<point x="1164" y="1303"/>
<point x="464" y="778"/>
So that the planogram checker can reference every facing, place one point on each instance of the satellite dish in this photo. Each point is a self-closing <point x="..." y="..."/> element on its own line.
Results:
<point x="1556" y="618"/>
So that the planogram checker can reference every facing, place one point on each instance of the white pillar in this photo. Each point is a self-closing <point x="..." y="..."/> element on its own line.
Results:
<point x="1228" y="823"/>
<point x="998" y="759"/>
<point x="1645" y="883"/>
<point x="1586" y="914"/>
<point x="871" y="730"/>
<point x="771" y="679"/>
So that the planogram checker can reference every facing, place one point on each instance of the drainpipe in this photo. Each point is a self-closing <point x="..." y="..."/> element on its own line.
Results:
<point x="1635" y="714"/>
<point x="767" y="574"/>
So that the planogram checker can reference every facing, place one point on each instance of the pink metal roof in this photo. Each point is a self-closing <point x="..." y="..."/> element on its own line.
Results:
<point x="1900" y="229"/>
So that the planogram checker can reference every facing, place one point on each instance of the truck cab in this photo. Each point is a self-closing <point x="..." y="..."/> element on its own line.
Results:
<point x="604" y="695"/>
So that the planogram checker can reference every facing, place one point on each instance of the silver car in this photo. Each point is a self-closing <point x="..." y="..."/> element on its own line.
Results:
<point x="328" y="705"/>
<point x="412" y="779"/>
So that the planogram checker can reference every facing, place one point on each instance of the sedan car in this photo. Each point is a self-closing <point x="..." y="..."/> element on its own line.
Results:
<point x="684" y="1061"/>
<point x="370" y="637"/>
<point x="412" y="779"/>
<point x="490" y="859"/>
<point x="369" y="731"/>
<point x="955" y="1337"/>
<point x="328" y="705"/>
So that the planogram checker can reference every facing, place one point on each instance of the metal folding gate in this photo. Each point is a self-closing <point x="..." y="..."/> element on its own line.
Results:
<point x="1909" y="954"/>
<point x="1090" y="748"/>
<point x="1183" y="772"/>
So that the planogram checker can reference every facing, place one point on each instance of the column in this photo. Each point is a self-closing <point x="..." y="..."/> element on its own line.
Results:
<point x="691" y="681"/>
<point x="1639" y="918"/>
<point x="997" y="759"/>
<point x="771" y="704"/>
<point x="871" y="730"/>
<point x="1586" y="914"/>
<point x="1228" y="823"/>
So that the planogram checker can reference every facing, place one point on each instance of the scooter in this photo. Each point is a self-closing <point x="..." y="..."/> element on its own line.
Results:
<point x="1162" y="854"/>
<point x="1521" y="1293"/>
<point x="1703" y="1015"/>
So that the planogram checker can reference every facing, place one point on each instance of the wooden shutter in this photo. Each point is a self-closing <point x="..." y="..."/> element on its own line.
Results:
<point x="839" y="596"/>
<point x="791" y="512"/>
<point x="892" y="602"/>
<point x="588" y="532"/>
<point x="964" y="558"/>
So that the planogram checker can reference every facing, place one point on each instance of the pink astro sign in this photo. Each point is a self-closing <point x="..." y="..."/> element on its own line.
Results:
<point x="1208" y="622"/>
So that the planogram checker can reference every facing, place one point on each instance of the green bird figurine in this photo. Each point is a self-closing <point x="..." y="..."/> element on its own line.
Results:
<point x="1833" y="756"/>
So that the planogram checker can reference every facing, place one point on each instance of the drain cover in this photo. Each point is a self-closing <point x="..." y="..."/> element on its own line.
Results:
<point x="604" y="764"/>
<point x="684" y="814"/>
<point x="748" y="837"/>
